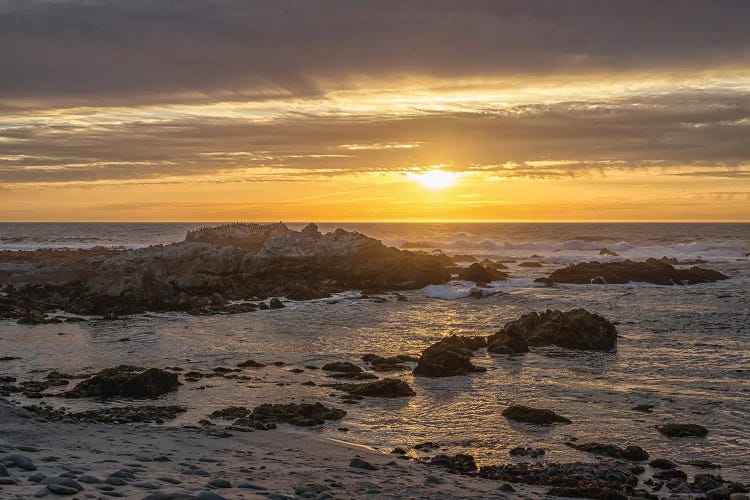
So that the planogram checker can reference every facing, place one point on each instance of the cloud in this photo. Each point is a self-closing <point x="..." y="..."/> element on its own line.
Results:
<point x="106" y="52"/>
<point x="704" y="130"/>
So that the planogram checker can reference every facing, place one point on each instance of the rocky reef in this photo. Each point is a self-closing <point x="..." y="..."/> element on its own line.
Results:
<point x="211" y="267"/>
<point x="656" y="271"/>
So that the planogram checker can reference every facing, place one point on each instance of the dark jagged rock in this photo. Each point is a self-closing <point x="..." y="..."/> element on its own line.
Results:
<point x="275" y="303"/>
<point x="520" y="451"/>
<point x="212" y="267"/>
<point x="507" y="341"/>
<point x="451" y="356"/>
<point x="480" y="274"/>
<point x="529" y="415"/>
<point x="575" y="329"/>
<point x="458" y="464"/>
<point x="342" y="367"/>
<point x="304" y="415"/>
<point x="620" y="477"/>
<point x="491" y="264"/>
<point x="608" y="253"/>
<point x="662" y="463"/>
<point x="683" y="430"/>
<point x="231" y="412"/>
<point x="112" y="414"/>
<point x="126" y="382"/>
<point x="654" y="271"/>
<point x="530" y="264"/>
<point x="385" y="388"/>
<point x="633" y="453"/>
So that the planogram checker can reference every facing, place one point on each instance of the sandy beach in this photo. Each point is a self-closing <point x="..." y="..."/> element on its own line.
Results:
<point x="173" y="460"/>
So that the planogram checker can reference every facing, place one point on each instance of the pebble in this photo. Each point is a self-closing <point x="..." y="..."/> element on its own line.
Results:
<point x="207" y="495"/>
<point x="251" y="486"/>
<point x="104" y="487"/>
<point x="115" y="481"/>
<point x="88" y="479"/>
<point x="146" y="486"/>
<point x="30" y="449"/>
<point x="61" y="489"/>
<point x="37" y="478"/>
<point x="17" y="460"/>
<point x="170" y="480"/>
<point x="62" y="481"/>
<point x="3" y="471"/>
<point x="7" y="481"/>
<point x="41" y="493"/>
<point x="361" y="464"/>
<point x="220" y="483"/>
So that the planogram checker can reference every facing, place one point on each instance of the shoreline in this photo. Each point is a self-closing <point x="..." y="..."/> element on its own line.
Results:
<point x="273" y="464"/>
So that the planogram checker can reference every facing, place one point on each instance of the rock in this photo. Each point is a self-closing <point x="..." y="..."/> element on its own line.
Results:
<point x="662" y="463"/>
<point x="463" y="258"/>
<point x="393" y="363"/>
<point x="460" y="463"/>
<point x="219" y="483"/>
<point x="633" y="453"/>
<point x="607" y="252"/>
<point x="3" y="471"/>
<point x="88" y="479"/>
<point x="480" y="274"/>
<point x="231" y="412"/>
<point x="507" y="341"/>
<point x="670" y="474"/>
<point x="587" y="491"/>
<point x="61" y="481"/>
<point x="654" y="271"/>
<point x="60" y="489"/>
<point x="384" y="388"/>
<point x="683" y="430"/>
<point x="304" y="415"/>
<point x="530" y="264"/>
<point x="529" y="415"/>
<point x="449" y="357"/>
<point x="575" y="329"/>
<point x="643" y="408"/>
<point x="250" y="364"/>
<point x="17" y="460"/>
<point x="427" y="445"/>
<point x="275" y="304"/>
<point x="127" y="382"/>
<point x="113" y="414"/>
<point x="312" y="490"/>
<point x="7" y="481"/>
<point x="358" y="463"/>
<point x="520" y="451"/>
<point x="342" y="367"/>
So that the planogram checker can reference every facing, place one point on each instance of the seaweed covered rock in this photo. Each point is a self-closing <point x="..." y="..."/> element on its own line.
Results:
<point x="575" y="329"/>
<point x="126" y="382"/>
<point x="529" y="415"/>
<point x="449" y="357"/>
<point x="656" y="271"/>
<point x="304" y="414"/>
<point x="384" y="388"/>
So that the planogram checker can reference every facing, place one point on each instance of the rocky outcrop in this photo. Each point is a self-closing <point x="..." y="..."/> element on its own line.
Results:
<point x="126" y="382"/>
<point x="575" y="329"/>
<point x="480" y="274"/>
<point x="529" y="415"/>
<point x="449" y="357"/>
<point x="211" y="267"/>
<point x="656" y="271"/>
<point x="507" y="341"/>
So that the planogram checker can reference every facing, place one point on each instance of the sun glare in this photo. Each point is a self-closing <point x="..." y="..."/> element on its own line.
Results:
<point x="435" y="179"/>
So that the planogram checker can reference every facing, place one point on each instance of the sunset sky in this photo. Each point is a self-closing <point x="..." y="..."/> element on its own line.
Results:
<point x="224" y="110"/>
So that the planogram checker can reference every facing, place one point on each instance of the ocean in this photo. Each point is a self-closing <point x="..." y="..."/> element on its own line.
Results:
<point x="683" y="349"/>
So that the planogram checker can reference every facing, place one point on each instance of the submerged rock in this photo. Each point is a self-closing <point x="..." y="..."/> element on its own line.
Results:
<point x="683" y="430"/>
<point x="342" y="367"/>
<point x="385" y="388"/>
<point x="449" y="357"/>
<point x="656" y="271"/>
<point x="459" y="464"/>
<point x="304" y="414"/>
<point x="575" y="329"/>
<point x="392" y="363"/>
<point x="126" y="382"/>
<point x="633" y="453"/>
<point x="529" y="415"/>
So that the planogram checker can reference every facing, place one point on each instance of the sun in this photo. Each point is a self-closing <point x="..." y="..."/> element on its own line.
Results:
<point x="434" y="179"/>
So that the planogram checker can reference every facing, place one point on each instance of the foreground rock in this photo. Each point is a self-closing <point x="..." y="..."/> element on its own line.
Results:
<point x="656" y="271"/>
<point x="449" y="357"/>
<point x="575" y="329"/>
<point x="633" y="453"/>
<point x="507" y="341"/>
<point x="385" y="388"/>
<point x="458" y="464"/>
<point x="112" y="415"/>
<point x="529" y="415"/>
<point x="126" y="382"/>
<point x="210" y="268"/>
